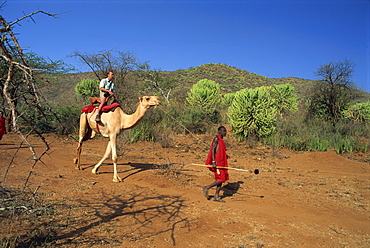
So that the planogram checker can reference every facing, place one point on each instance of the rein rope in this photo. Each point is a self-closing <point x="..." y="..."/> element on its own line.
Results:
<point x="173" y="118"/>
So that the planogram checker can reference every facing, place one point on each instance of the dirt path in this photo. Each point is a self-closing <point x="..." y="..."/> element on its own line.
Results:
<point x="317" y="199"/>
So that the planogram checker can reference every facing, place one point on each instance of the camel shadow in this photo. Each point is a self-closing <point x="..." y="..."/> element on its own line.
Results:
<point x="135" y="168"/>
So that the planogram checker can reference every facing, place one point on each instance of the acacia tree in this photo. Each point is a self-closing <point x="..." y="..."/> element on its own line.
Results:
<point x="122" y="64"/>
<point x="332" y="94"/>
<point x="19" y="83"/>
<point x="154" y="81"/>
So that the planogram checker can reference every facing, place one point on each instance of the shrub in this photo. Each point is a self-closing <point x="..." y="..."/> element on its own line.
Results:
<point x="252" y="112"/>
<point x="298" y="134"/>
<point x="145" y="130"/>
<point x="284" y="97"/>
<point x="69" y="115"/>
<point x="205" y="94"/>
<point x="87" y="88"/>
<point x="359" y="112"/>
<point x="194" y="119"/>
<point x="227" y="99"/>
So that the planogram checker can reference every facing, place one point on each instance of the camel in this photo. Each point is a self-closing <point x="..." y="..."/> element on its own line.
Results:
<point x="111" y="125"/>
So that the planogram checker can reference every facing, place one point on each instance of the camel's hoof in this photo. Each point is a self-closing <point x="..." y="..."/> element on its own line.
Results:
<point x="117" y="179"/>
<point x="93" y="171"/>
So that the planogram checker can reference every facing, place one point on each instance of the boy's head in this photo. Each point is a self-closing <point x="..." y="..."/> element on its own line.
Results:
<point x="222" y="131"/>
<point x="110" y="75"/>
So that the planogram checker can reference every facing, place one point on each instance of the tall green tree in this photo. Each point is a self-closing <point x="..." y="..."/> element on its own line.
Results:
<point x="253" y="112"/>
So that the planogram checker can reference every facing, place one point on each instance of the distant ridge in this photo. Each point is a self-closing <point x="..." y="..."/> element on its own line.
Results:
<point x="230" y="78"/>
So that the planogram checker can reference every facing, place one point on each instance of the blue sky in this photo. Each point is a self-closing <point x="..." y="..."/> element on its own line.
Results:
<point x="273" y="38"/>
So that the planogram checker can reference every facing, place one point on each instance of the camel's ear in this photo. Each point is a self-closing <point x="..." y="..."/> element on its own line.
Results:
<point x="140" y="98"/>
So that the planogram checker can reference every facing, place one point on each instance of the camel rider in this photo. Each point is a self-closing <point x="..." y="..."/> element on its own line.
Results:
<point x="106" y="90"/>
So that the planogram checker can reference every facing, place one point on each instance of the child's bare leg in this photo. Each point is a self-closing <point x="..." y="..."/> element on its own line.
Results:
<point x="102" y="103"/>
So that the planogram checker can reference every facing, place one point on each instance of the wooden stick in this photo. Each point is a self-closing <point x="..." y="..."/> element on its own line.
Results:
<point x="256" y="171"/>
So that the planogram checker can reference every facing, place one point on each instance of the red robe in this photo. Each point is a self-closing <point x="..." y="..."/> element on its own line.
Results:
<point x="2" y="127"/>
<point x="221" y="161"/>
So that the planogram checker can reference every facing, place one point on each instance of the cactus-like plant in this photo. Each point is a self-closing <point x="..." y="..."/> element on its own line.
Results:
<point x="252" y="111"/>
<point x="205" y="94"/>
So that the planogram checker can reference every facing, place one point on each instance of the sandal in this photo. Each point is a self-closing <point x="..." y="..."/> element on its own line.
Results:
<point x="205" y="192"/>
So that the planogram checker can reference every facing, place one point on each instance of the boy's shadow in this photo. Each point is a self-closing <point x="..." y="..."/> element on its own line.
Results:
<point x="231" y="188"/>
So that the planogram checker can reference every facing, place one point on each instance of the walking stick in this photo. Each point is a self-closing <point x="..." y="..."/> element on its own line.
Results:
<point x="256" y="171"/>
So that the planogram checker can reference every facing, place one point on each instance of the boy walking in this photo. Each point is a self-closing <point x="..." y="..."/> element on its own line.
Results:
<point x="217" y="157"/>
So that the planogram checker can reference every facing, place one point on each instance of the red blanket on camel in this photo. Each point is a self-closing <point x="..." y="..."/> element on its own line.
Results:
<point x="106" y="108"/>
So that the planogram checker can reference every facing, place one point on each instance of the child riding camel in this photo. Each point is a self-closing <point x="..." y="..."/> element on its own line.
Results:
<point x="106" y="90"/>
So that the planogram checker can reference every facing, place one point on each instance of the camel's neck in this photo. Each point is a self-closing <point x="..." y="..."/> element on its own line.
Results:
<point x="130" y="121"/>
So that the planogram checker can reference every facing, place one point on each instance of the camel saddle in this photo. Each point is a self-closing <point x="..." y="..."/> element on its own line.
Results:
<point x="95" y="101"/>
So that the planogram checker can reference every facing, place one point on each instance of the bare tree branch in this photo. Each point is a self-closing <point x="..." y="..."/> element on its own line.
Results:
<point x="20" y="90"/>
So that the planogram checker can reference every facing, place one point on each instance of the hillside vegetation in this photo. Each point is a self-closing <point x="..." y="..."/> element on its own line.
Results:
<point x="294" y="129"/>
<point x="230" y="78"/>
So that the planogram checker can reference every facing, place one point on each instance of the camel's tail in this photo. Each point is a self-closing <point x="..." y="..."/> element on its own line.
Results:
<point x="85" y="131"/>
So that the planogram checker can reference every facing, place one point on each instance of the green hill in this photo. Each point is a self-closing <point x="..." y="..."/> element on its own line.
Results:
<point x="231" y="79"/>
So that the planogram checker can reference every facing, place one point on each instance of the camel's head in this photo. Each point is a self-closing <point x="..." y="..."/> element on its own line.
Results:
<point x="149" y="101"/>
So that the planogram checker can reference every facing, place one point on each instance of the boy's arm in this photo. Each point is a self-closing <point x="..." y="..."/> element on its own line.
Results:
<point x="105" y="90"/>
<point x="214" y="150"/>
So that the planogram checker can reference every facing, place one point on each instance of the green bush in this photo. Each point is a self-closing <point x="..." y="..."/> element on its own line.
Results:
<point x="145" y="130"/>
<point x="194" y="119"/>
<point x="284" y="97"/>
<point x="227" y="99"/>
<point x="359" y="112"/>
<point x="69" y="115"/>
<point x="87" y="88"/>
<point x="252" y="112"/>
<point x="298" y="134"/>
<point x="205" y="94"/>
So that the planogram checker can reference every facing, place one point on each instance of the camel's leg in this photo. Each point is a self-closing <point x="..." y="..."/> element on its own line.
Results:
<point x="77" y="160"/>
<point x="116" y="178"/>
<point x="84" y="134"/>
<point x="106" y="155"/>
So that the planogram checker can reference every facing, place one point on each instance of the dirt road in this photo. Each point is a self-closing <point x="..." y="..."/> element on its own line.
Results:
<point x="299" y="199"/>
